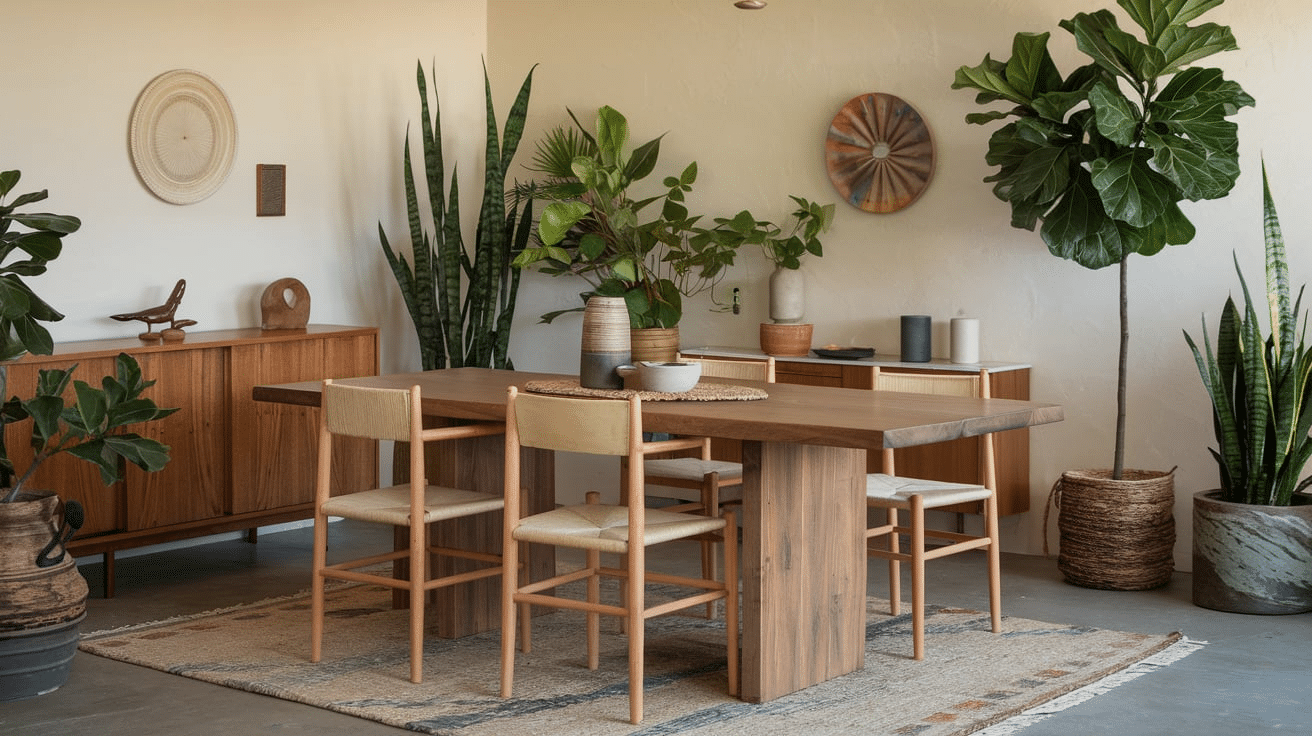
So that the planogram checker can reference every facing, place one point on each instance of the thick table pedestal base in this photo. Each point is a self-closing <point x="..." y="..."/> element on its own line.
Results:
<point x="803" y="566"/>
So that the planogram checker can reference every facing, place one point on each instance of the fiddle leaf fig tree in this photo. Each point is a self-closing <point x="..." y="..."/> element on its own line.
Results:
<point x="1100" y="159"/>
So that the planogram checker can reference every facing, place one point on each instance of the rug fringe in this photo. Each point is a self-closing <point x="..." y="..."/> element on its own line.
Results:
<point x="1178" y="650"/>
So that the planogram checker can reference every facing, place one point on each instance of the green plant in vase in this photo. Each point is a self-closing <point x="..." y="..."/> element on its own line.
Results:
<point x="646" y="249"/>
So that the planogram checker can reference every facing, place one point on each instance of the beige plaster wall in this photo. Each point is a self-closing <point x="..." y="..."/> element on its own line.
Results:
<point x="749" y="96"/>
<point x="326" y="87"/>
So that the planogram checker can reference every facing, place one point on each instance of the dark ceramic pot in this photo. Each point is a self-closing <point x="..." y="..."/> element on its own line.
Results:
<point x="1250" y="558"/>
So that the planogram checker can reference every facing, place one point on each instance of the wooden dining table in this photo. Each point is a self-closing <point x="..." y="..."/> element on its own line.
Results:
<point x="804" y="512"/>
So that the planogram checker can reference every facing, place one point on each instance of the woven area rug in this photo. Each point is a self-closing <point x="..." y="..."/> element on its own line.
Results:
<point x="970" y="679"/>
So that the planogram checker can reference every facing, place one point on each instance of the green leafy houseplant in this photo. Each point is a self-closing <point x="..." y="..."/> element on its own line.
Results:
<point x="91" y="427"/>
<point x="783" y="249"/>
<point x="474" y="331"/>
<point x="1260" y="386"/>
<point x="1103" y="157"/>
<point x="593" y="227"/>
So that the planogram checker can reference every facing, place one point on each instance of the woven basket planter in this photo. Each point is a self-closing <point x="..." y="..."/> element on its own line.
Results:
<point x="1116" y="534"/>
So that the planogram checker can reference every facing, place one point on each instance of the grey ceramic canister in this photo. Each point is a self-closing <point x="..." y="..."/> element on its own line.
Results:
<point x="916" y="331"/>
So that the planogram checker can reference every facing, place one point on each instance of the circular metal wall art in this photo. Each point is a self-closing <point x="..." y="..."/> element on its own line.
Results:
<point x="879" y="153"/>
<point x="183" y="136"/>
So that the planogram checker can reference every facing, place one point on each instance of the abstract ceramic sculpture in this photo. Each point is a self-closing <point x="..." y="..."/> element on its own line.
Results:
<point x="285" y="305"/>
<point x="160" y="315"/>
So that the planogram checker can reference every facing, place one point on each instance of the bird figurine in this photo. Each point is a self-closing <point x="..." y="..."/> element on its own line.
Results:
<point x="160" y="315"/>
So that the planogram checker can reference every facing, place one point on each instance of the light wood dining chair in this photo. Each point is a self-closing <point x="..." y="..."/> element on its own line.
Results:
<point x="914" y="496"/>
<point x="700" y="483"/>
<point x="614" y="428"/>
<point x="392" y="414"/>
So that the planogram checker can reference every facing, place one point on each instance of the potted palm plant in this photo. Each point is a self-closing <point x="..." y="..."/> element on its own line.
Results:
<point x="1252" y="548"/>
<point x="42" y="595"/>
<point x="1099" y="161"/>
<point x="647" y="250"/>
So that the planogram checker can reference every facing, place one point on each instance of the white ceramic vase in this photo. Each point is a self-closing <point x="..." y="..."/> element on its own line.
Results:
<point x="787" y="296"/>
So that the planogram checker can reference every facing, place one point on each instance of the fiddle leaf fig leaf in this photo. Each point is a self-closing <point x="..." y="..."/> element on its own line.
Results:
<point x="1199" y="172"/>
<point x="1031" y="70"/>
<point x="1181" y="45"/>
<point x="1117" y="117"/>
<point x="990" y="77"/>
<point x="1130" y="190"/>
<point x="1155" y="16"/>
<point x="1090" y="31"/>
<point x="1078" y="228"/>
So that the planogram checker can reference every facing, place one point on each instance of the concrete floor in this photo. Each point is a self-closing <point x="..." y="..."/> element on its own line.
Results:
<point x="1251" y="677"/>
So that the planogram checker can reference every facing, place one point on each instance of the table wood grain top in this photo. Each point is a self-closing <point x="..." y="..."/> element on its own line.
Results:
<point x="814" y="415"/>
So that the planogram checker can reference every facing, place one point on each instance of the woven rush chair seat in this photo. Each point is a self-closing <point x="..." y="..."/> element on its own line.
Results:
<point x="887" y="490"/>
<point x="392" y="505"/>
<point x="606" y="528"/>
<point x="897" y="495"/>
<point x="393" y="414"/>
<point x="608" y="428"/>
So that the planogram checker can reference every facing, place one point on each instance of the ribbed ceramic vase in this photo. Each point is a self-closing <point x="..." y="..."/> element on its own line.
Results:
<point x="605" y="345"/>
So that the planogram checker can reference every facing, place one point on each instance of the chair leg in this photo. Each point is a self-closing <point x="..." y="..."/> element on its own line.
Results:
<point x="509" y="585"/>
<point x="637" y="631"/>
<point x="995" y="563"/>
<point x="894" y="567"/>
<point x="316" y="587"/>
<point x="418" y="574"/>
<point x="731" y="598"/>
<point x="710" y="507"/>
<point x="594" y="618"/>
<point x="918" y="576"/>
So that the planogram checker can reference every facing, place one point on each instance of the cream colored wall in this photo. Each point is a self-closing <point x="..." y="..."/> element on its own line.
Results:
<point x="324" y="86"/>
<point x="749" y="96"/>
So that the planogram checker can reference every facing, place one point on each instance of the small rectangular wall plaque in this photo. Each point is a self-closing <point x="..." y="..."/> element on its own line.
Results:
<point x="270" y="190"/>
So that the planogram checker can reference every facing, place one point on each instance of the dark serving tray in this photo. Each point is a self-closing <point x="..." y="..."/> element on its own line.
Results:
<point x="844" y="353"/>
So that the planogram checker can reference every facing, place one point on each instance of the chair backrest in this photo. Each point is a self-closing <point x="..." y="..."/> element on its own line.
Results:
<point x="942" y="384"/>
<point x="592" y="426"/>
<point x="751" y="370"/>
<point x="372" y="413"/>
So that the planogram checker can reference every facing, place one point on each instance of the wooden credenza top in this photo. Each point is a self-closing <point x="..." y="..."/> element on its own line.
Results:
<point x="209" y="338"/>
<point x="887" y="360"/>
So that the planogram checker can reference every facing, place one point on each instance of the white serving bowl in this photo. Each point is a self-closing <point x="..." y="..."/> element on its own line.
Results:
<point x="673" y="378"/>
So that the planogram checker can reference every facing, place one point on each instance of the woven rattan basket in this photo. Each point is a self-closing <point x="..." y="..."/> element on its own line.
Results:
<point x="1115" y="534"/>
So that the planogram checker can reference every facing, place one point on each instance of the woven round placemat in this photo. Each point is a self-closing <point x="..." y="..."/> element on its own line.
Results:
<point x="700" y="392"/>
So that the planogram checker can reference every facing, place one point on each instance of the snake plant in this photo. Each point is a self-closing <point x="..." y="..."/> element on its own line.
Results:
<point x="475" y="330"/>
<point x="1103" y="157"/>
<point x="1260" y="388"/>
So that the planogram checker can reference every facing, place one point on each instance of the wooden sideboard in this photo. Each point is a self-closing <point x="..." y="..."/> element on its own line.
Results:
<point x="956" y="461"/>
<point x="236" y="463"/>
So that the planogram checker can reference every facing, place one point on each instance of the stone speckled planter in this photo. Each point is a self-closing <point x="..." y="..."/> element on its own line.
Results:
<point x="1250" y="558"/>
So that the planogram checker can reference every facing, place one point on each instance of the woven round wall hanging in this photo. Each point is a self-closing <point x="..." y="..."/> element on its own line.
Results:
<point x="879" y="153"/>
<point x="183" y="136"/>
